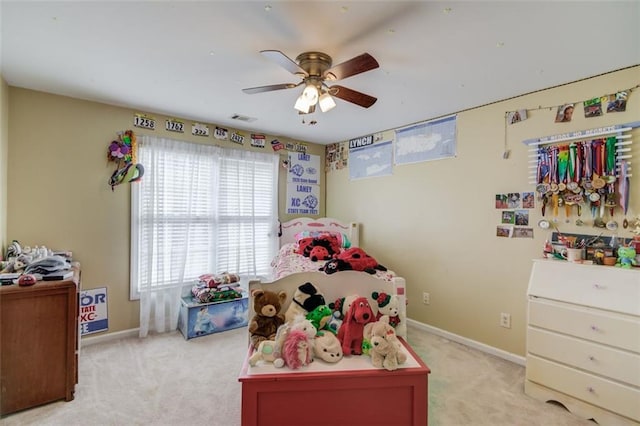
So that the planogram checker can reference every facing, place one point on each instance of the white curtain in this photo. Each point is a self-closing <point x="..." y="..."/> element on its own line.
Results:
<point x="198" y="209"/>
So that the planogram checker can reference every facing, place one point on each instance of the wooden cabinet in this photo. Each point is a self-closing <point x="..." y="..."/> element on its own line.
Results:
<point x="39" y="343"/>
<point x="583" y="339"/>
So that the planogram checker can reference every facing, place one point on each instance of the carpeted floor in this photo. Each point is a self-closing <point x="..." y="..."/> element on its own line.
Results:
<point x="165" y="380"/>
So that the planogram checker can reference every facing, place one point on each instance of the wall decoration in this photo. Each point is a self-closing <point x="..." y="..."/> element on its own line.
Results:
<point x="432" y="140"/>
<point x="508" y="216"/>
<point x="513" y="200"/>
<point x="200" y="129"/>
<point x="295" y="146"/>
<point x="522" y="217"/>
<point x="304" y="168"/>
<point x="514" y="117"/>
<point x="303" y="199"/>
<point x="523" y="233"/>
<point x="144" y="121"/>
<point x="564" y="113"/>
<point x="174" y="125"/>
<point x="257" y="141"/>
<point x="617" y="102"/>
<point x="372" y="160"/>
<point x="504" y="231"/>
<point x="237" y="138"/>
<point x="276" y="145"/>
<point x="528" y="200"/>
<point x="221" y="133"/>
<point x="122" y="152"/>
<point x="502" y="201"/>
<point x="592" y="107"/>
<point x="335" y="157"/>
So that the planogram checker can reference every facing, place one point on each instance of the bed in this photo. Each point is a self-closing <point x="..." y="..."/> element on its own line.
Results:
<point x="333" y="286"/>
<point x="352" y="391"/>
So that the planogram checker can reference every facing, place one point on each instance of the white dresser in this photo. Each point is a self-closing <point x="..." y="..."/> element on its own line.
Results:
<point x="583" y="339"/>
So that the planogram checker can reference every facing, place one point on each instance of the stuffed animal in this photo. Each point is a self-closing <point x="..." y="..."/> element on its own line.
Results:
<point x="319" y="317"/>
<point x="267" y="318"/>
<point x="350" y="333"/>
<point x="334" y="323"/>
<point x="385" y="347"/>
<point x="298" y="349"/>
<point x="626" y="257"/>
<point x="305" y="299"/>
<point x="299" y="323"/>
<point x="388" y="304"/>
<point x="327" y="348"/>
<point x="354" y="259"/>
<point x="266" y="351"/>
<point x="318" y="248"/>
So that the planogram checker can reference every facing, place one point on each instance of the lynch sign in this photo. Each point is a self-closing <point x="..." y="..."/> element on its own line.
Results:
<point x="360" y="142"/>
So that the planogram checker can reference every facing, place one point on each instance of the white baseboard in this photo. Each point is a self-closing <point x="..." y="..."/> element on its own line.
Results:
<point x="517" y="359"/>
<point x="101" y="338"/>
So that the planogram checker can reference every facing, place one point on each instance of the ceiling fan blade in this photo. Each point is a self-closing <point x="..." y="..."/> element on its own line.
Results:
<point x="261" y="89"/>
<point x="353" y="66"/>
<point x="284" y="61"/>
<point x="352" y="96"/>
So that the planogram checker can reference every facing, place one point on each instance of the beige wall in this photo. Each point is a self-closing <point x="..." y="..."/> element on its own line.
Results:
<point x="434" y="223"/>
<point x="58" y="192"/>
<point x="4" y="145"/>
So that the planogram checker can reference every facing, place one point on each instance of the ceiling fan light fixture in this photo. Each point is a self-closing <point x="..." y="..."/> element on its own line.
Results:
<point x="302" y="104"/>
<point x="326" y="102"/>
<point x="310" y="92"/>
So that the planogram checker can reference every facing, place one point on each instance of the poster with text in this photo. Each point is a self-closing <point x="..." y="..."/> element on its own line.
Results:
<point x="93" y="311"/>
<point x="303" y="199"/>
<point x="372" y="160"/>
<point x="304" y="168"/>
<point x="432" y="140"/>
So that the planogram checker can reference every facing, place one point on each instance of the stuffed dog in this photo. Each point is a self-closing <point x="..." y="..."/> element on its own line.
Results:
<point x="351" y="331"/>
<point x="305" y="299"/>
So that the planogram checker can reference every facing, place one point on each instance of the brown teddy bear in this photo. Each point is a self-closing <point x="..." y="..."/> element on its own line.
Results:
<point x="385" y="349"/>
<point x="267" y="318"/>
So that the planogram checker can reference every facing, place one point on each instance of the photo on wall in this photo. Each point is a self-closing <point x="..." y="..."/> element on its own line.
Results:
<point x="523" y="233"/>
<point x="528" y="200"/>
<point x="504" y="231"/>
<point x="501" y="201"/>
<point x="522" y="217"/>
<point x="508" y="216"/>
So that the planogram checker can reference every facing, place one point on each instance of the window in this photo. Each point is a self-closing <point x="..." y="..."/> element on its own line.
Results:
<point x="201" y="209"/>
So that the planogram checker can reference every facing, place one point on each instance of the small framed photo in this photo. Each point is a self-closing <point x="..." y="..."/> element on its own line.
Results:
<point x="509" y="216"/>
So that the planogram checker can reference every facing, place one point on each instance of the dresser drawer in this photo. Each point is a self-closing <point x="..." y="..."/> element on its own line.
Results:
<point x="620" y="331"/>
<point x="599" y="359"/>
<point x="616" y="397"/>
<point x="610" y="288"/>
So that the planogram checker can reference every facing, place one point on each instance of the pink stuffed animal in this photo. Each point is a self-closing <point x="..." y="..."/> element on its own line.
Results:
<point x="297" y="349"/>
<point x="351" y="331"/>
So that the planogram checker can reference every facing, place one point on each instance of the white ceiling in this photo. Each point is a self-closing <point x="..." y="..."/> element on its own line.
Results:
<point x="190" y="60"/>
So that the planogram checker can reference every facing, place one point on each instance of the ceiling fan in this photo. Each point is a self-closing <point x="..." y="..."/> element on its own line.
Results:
<point x="315" y="70"/>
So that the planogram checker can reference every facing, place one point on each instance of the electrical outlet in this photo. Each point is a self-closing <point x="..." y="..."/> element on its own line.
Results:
<point x="426" y="298"/>
<point x="505" y="320"/>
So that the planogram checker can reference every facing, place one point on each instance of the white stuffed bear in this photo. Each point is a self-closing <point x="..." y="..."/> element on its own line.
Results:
<point x="388" y="304"/>
<point x="327" y="347"/>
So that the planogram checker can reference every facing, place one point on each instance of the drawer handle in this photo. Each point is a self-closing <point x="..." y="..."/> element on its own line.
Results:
<point x="591" y="390"/>
<point x="594" y="328"/>
<point x="599" y="287"/>
<point x="592" y="358"/>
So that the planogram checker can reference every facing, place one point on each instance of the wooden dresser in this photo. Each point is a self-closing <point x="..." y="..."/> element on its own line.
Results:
<point x="38" y="343"/>
<point x="583" y="339"/>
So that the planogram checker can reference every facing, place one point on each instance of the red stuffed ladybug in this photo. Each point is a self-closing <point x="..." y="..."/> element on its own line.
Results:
<point x="354" y="259"/>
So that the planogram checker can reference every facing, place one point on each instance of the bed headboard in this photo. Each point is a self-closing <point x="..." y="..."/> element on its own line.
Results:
<point x="292" y="227"/>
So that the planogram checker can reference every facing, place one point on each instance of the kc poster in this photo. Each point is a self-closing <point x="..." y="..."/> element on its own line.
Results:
<point x="303" y="184"/>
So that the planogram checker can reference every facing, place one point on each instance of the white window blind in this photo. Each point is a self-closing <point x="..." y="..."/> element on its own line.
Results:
<point x="201" y="209"/>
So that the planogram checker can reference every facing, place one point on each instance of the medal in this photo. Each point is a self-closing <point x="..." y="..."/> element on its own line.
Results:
<point x="598" y="182"/>
<point x="594" y="196"/>
<point x="572" y="186"/>
<point x="562" y="186"/>
<point x="542" y="188"/>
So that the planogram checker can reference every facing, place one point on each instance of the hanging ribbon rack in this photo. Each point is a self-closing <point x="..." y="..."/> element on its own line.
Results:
<point x="621" y="132"/>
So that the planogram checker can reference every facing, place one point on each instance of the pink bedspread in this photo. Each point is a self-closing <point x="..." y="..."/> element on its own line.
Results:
<point x="288" y="262"/>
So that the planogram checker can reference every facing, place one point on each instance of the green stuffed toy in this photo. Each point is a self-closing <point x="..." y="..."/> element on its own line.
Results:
<point x="626" y="257"/>
<point x="319" y="317"/>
